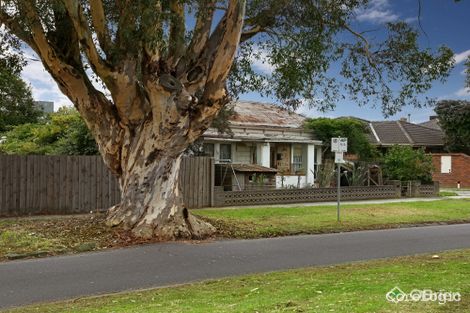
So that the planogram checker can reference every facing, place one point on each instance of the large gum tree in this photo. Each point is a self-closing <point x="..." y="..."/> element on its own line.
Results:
<point x="165" y="69"/>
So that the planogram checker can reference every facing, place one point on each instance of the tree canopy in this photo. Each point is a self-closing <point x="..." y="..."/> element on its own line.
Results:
<point x="454" y="119"/>
<point x="63" y="132"/>
<point x="16" y="101"/>
<point x="354" y="129"/>
<point x="405" y="163"/>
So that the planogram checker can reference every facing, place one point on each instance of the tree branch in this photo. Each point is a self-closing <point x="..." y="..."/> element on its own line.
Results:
<point x="177" y="32"/>
<point x="97" y="111"/>
<point x="202" y="29"/>
<point x="220" y="51"/>
<point x="75" y="11"/>
<point x="99" y="24"/>
<point x="14" y="26"/>
<point x="370" y="60"/>
<point x="152" y="31"/>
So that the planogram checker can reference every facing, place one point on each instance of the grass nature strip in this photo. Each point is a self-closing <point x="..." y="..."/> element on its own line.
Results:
<point x="293" y="220"/>
<point x="354" y="287"/>
<point x="44" y="236"/>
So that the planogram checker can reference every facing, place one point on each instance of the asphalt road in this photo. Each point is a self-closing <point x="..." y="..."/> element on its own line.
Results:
<point x="42" y="280"/>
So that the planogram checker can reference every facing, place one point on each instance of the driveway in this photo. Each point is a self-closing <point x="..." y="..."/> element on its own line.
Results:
<point x="158" y="265"/>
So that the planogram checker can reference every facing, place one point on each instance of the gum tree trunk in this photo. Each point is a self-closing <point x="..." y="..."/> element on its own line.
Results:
<point x="151" y="197"/>
<point x="152" y="203"/>
<point x="163" y="94"/>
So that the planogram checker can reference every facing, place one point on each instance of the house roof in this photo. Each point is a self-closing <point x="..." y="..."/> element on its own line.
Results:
<point x="264" y="122"/>
<point x="434" y="124"/>
<point x="404" y="133"/>
<point x="249" y="168"/>
<point x="251" y="113"/>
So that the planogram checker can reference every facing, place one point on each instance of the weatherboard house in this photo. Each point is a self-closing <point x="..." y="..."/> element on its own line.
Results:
<point x="266" y="142"/>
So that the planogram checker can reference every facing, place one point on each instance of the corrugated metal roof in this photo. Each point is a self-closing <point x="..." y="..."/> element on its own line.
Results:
<point x="252" y="113"/>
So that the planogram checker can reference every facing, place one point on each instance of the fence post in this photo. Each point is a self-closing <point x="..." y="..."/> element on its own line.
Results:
<point x="212" y="173"/>
<point x="436" y="188"/>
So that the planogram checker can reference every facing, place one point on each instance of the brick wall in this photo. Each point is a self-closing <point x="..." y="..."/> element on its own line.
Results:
<point x="460" y="170"/>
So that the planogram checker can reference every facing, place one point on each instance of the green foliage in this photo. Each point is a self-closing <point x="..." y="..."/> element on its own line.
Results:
<point x="358" y="175"/>
<point x="304" y="39"/>
<point x="325" y="173"/>
<point x="454" y="118"/>
<point x="299" y="41"/>
<point x="355" y="130"/>
<point x="405" y="163"/>
<point x="63" y="132"/>
<point x="16" y="101"/>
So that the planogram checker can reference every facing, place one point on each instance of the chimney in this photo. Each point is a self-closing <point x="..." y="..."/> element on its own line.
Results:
<point x="403" y="119"/>
<point x="433" y="117"/>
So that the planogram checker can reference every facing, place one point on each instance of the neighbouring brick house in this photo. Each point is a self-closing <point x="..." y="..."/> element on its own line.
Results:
<point x="451" y="168"/>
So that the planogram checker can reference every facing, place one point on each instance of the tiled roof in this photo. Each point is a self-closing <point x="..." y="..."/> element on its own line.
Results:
<point x="404" y="133"/>
<point x="434" y="124"/>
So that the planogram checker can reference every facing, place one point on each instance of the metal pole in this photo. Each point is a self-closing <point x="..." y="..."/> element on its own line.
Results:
<point x="339" y="190"/>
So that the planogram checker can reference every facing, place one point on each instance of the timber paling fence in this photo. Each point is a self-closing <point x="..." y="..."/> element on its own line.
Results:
<point x="79" y="184"/>
<point x="36" y="184"/>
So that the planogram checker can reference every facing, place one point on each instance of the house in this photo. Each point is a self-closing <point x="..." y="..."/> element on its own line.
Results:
<point x="432" y="123"/>
<point x="267" y="137"/>
<point x="45" y="106"/>
<point x="385" y="134"/>
<point x="451" y="169"/>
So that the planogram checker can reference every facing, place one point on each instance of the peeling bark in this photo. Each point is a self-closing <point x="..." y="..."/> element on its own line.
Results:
<point x="151" y="200"/>
<point x="162" y="101"/>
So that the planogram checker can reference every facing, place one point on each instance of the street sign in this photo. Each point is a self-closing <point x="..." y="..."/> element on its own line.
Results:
<point x="339" y="157"/>
<point x="339" y="144"/>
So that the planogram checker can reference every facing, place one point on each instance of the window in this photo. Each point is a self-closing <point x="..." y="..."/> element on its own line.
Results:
<point x="297" y="159"/>
<point x="446" y="164"/>
<point x="225" y="152"/>
<point x="208" y="149"/>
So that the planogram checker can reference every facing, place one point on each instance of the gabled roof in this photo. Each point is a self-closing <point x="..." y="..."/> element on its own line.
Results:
<point x="434" y="124"/>
<point x="384" y="133"/>
<point x="251" y="113"/>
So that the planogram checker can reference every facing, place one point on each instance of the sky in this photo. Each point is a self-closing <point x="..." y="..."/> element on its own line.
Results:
<point x="443" y="21"/>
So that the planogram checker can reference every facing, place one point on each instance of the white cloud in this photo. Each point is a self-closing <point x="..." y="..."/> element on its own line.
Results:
<point x="260" y="61"/>
<point x="411" y="19"/>
<point x="463" y="92"/>
<point x="377" y="11"/>
<point x="461" y="57"/>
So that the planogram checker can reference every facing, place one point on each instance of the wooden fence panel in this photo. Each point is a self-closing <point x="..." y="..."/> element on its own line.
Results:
<point x="79" y="184"/>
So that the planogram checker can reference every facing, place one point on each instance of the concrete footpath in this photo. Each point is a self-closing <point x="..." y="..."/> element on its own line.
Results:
<point x="158" y="265"/>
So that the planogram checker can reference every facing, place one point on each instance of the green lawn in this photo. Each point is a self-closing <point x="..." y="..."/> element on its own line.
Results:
<point x="268" y="222"/>
<point x="350" y="288"/>
<point x="447" y="194"/>
<point x="43" y="236"/>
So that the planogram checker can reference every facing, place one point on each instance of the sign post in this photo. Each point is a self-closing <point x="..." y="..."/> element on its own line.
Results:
<point x="339" y="146"/>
